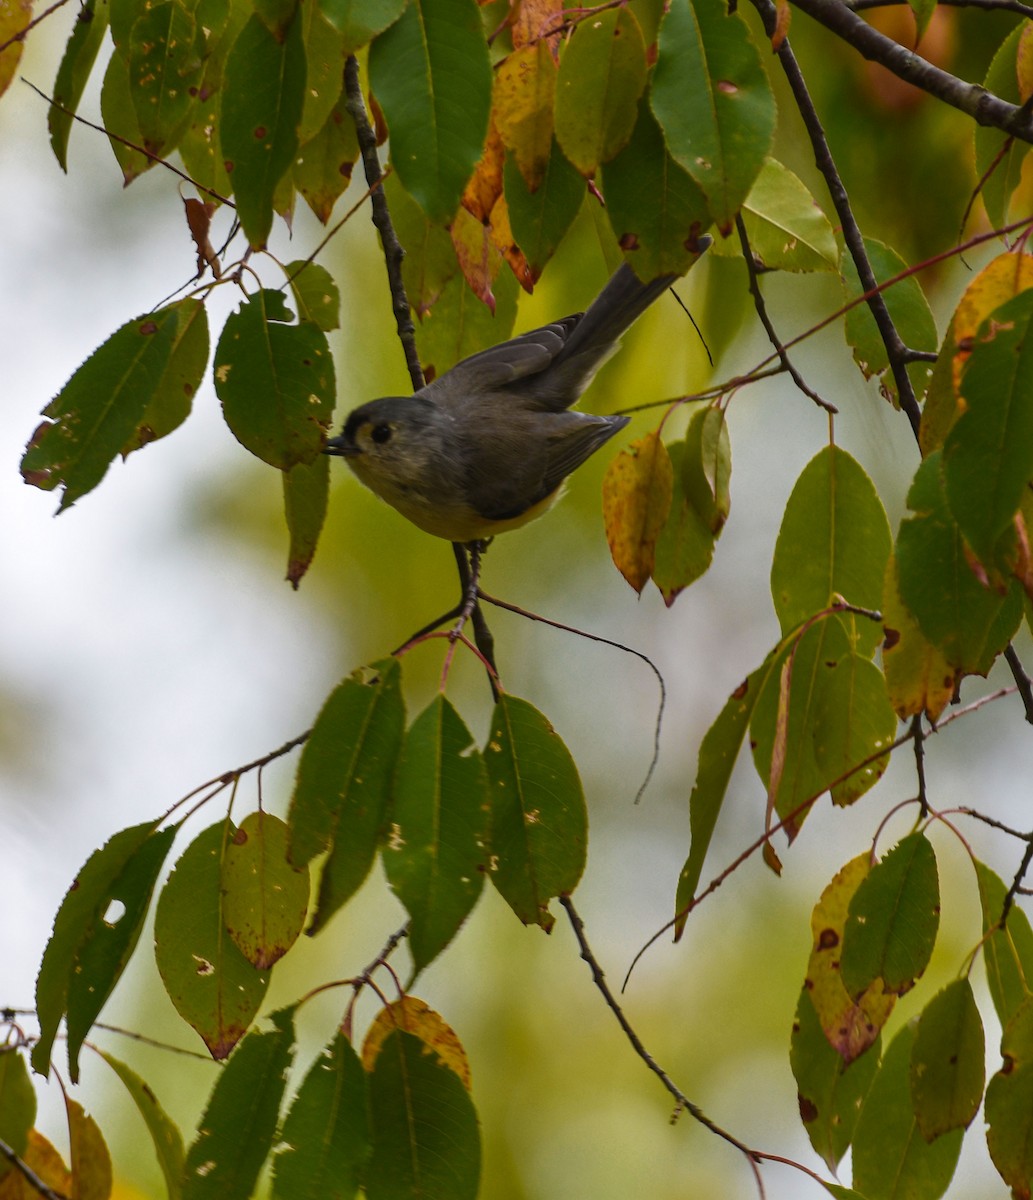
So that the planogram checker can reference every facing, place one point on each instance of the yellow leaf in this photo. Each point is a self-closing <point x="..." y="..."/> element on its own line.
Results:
<point x="999" y="280"/>
<point x="851" y="1026"/>
<point x="14" y="17"/>
<point x="44" y="1161"/>
<point x="525" y="88"/>
<point x="417" y="1017"/>
<point x="637" y="492"/>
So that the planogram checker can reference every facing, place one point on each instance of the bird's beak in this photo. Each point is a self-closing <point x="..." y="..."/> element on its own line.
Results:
<point x="341" y="447"/>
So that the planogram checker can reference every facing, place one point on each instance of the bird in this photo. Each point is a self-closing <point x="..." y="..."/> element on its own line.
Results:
<point x="486" y="447"/>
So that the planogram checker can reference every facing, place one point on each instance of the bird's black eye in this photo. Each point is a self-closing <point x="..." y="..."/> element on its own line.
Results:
<point x="380" y="434"/>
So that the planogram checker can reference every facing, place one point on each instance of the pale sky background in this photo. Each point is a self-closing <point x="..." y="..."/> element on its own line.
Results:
<point x="144" y="649"/>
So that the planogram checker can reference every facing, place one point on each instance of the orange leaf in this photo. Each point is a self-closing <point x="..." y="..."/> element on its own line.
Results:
<point x="637" y="491"/>
<point x="418" y="1018"/>
<point x="485" y="185"/>
<point x="502" y="236"/>
<point x="536" y="20"/>
<point x="479" y="260"/>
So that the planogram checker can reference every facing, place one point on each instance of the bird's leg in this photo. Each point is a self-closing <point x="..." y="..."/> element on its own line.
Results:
<point x="468" y="562"/>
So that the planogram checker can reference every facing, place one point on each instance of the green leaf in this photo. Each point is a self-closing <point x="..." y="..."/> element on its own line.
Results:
<point x="654" y="208"/>
<point x="685" y="547"/>
<point x="165" y="57"/>
<point x="262" y="102"/>
<point x="325" y="1139"/>
<point x="834" y="541"/>
<point x="100" y="409"/>
<point x="707" y="466"/>
<point x="436" y="852"/>
<point x="539" y="219"/>
<point x="601" y="77"/>
<point x="918" y="676"/>
<point x="1001" y="80"/>
<point x="306" y="492"/>
<point x="430" y="257"/>
<point x="890" y="1157"/>
<point x="893" y="920"/>
<point x="437" y="103"/>
<point x="1009" y="1105"/>
<point x="170" y="405"/>
<point x="970" y="623"/>
<point x="830" y="1092"/>
<point x="539" y="823"/>
<point x="462" y="324"/>
<point x="168" y="1141"/>
<point x="343" y="782"/>
<point x="361" y="20"/>
<point x="323" y="167"/>
<point x="947" y="1061"/>
<point x="854" y="721"/>
<point x="76" y="64"/>
<point x="120" y="123"/>
<point x="905" y="301"/>
<point x="324" y="73"/>
<point x="238" y="1127"/>
<point x="213" y="986"/>
<point x="275" y="381"/>
<point x="1007" y="952"/>
<point x="265" y="898"/>
<point x="315" y="293"/>
<point x="17" y="1103"/>
<point x="95" y="932"/>
<point x="425" y="1137"/>
<point x="787" y="229"/>
<point x="988" y="454"/>
<point x="712" y="98"/>
<point x="717" y="754"/>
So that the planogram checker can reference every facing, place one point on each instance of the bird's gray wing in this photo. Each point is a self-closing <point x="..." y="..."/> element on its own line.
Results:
<point x="494" y="368"/>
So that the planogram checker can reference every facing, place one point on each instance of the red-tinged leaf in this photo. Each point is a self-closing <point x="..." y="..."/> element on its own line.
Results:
<point x="830" y="1091"/>
<point x="522" y="103"/>
<point x="437" y="107"/>
<point x="436" y="852"/>
<point x="893" y="920"/>
<point x="851" y="1025"/>
<point x="168" y="1141"/>
<point x="95" y="932"/>
<point x="540" y="219"/>
<point x="539" y="823"/>
<point x="87" y="1154"/>
<point x="717" y="754"/>
<point x="415" y="1016"/>
<point x="834" y="541"/>
<point x="890" y="1157"/>
<point x="477" y="255"/>
<point x="17" y="1102"/>
<point x="502" y="236"/>
<point x="262" y="102"/>
<point x="1007" y="950"/>
<point x="101" y="408"/>
<point x="275" y="381"/>
<point x="306" y="492"/>
<point x="918" y="676"/>
<point x="213" y="986"/>
<point x="325" y="1139"/>
<point x="711" y="95"/>
<point x="637" y="491"/>
<point x="1024" y="64"/>
<point x="948" y="1061"/>
<point x="265" y="898"/>
<point x="76" y="64"/>
<point x="239" y="1124"/>
<point x="45" y="1163"/>
<point x="602" y="74"/>
<point x="484" y="186"/>
<point x="425" y="1137"/>
<point x="343" y="782"/>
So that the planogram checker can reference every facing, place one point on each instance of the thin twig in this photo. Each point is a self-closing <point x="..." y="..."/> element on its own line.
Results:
<point x="765" y="319"/>
<point x="852" y="236"/>
<point x="29" y="1174"/>
<point x="683" y="1102"/>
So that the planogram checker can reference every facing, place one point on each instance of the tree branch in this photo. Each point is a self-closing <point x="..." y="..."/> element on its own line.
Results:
<point x="970" y="98"/>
